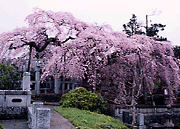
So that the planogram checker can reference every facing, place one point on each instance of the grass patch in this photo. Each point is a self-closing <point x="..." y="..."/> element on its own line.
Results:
<point x="84" y="119"/>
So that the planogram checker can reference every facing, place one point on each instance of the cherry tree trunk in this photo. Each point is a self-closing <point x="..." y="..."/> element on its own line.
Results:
<point x="29" y="61"/>
<point x="134" y="115"/>
<point x="63" y="90"/>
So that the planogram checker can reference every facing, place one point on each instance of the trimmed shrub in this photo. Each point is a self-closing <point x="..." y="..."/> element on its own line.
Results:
<point x="82" y="99"/>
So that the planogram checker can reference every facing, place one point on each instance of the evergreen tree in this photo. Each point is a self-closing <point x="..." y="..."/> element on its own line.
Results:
<point x="9" y="79"/>
<point x="153" y="31"/>
<point x="132" y="27"/>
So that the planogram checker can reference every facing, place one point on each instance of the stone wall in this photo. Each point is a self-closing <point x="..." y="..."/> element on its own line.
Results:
<point x="14" y="102"/>
<point x="158" y="115"/>
<point x="18" y="102"/>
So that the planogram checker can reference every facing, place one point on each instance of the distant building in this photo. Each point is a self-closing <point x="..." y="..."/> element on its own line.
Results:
<point x="51" y="85"/>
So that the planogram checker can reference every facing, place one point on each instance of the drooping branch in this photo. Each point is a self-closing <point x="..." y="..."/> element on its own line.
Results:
<point x="67" y="39"/>
<point x="11" y="46"/>
<point x="42" y="48"/>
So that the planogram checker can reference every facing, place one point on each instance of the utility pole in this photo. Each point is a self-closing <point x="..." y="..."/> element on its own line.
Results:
<point x="154" y="13"/>
<point x="146" y="23"/>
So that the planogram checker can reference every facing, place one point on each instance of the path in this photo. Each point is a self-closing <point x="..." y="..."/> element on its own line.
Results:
<point x="14" y="124"/>
<point x="58" y="121"/>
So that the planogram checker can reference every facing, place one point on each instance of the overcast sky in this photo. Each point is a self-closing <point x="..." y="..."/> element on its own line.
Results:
<point x="113" y="12"/>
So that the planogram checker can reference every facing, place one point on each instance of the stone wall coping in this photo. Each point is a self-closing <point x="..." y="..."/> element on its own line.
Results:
<point x="144" y="106"/>
<point x="148" y="106"/>
<point x="14" y="92"/>
<point x="2" y="92"/>
<point x="149" y="111"/>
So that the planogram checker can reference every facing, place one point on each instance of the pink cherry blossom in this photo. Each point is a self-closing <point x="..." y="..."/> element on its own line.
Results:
<point x="116" y="66"/>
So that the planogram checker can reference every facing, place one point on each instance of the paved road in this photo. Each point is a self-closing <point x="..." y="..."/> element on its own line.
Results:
<point x="57" y="121"/>
<point x="15" y="124"/>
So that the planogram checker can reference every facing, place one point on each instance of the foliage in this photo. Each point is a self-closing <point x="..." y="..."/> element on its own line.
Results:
<point x="132" y="69"/>
<point x="8" y="77"/>
<point x="153" y="31"/>
<point x="177" y="126"/>
<point x="1" y="125"/>
<point x="83" y="99"/>
<point x="84" y="119"/>
<point x="132" y="27"/>
<point x="176" y="50"/>
<point x="143" y="62"/>
<point x="156" y="84"/>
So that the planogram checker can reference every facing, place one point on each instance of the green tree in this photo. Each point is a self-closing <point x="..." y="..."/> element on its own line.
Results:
<point x="132" y="27"/>
<point x="153" y="31"/>
<point x="9" y="77"/>
<point x="176" y="50"/>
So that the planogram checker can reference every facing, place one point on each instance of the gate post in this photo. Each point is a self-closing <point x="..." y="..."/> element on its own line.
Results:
<point x="37" y="76"/>
<point x="26" y="81"/>
<point x="140" y="119"/>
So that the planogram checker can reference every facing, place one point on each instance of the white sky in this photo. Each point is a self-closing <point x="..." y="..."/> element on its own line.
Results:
<point x="113" y="12"/>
